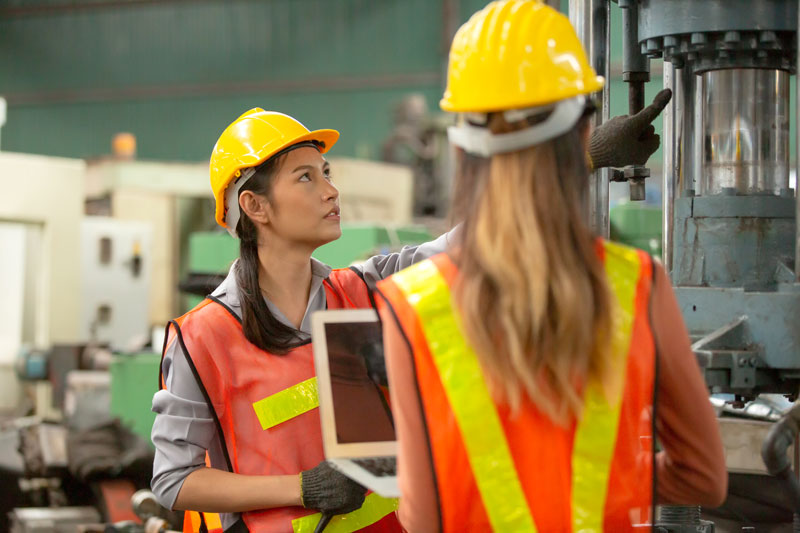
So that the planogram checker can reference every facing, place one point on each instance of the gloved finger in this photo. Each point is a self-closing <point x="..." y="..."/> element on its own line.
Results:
<point x="353" y="505"/>
<point x="649" y="131"/>
<point x="649" y="113"/>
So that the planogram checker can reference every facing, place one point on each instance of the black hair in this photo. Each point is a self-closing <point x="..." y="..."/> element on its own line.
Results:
<point x="260" y="325"/>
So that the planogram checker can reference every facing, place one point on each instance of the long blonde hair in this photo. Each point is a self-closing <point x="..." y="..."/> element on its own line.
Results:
<point x="531" y="290"/>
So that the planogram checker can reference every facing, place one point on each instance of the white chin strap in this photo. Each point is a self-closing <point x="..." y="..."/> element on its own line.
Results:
<point x="232" y="200"/>
<point x="479" y="140"/>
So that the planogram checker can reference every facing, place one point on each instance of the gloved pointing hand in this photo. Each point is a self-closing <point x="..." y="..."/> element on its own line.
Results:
<point x="325" y="489"/>
<point x="627" y="140"/>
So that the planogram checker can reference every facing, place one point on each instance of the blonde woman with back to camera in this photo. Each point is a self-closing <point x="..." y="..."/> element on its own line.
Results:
<point x="525" y="362"/>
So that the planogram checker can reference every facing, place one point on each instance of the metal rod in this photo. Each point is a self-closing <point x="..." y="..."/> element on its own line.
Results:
<point x="185" y="90"/>
<point x="591" y="20"/>
<point x="635" y="97"/>
<point x="668" y="179"/>
<point x="697" y="133"/>
<point x="797" y="175"/>
<point x="719" y="332"/>
<point x="635" y="66"/>
<point x="685" y="119"/>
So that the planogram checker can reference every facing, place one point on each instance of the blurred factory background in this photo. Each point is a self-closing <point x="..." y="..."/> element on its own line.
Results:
<point x="111" y="109"/>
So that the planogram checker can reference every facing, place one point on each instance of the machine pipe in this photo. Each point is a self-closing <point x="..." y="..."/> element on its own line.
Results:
<point x="591" y="19"/>
<point x="634" y="63"/>
<point x="797" y="175"/>
<point x="669" y="175"/>
<point x="685" y="118"/>
<point x="226" y="88"/>
<point x="635" y="97"/>
<point x="774" y="450"/>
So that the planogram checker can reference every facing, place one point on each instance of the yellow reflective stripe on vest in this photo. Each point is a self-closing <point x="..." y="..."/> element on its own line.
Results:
<point x="475" y="413"/>
<point x="596" y="434"/>
<point x="374" y="509"/>
<point x="287" y="404"/>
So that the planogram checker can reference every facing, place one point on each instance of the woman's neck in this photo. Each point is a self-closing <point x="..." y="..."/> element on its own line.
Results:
<point x="285" y="278"/>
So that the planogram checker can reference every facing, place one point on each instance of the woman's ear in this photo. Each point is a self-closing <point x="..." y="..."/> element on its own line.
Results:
<point x="255" y="206"/>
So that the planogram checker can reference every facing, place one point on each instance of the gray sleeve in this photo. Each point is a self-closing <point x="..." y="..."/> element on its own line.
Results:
<point x="379" y="267"/>
<point x="183" y="429"/>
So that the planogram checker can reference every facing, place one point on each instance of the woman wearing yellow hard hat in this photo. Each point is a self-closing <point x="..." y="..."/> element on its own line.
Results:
<point x="237" y="374"/>
<point x="524" y="363"/>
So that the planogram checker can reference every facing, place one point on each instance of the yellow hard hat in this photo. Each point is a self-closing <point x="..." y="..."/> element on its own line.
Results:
<point x="516" y="54"/>
<point x="250" y="140"/>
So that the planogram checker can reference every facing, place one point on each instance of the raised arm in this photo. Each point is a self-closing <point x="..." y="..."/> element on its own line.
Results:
<point x="379" y="267"/>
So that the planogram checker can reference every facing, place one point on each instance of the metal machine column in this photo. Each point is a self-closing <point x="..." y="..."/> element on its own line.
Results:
<point x="590" y="18"/>
<point x="669" y="178"/>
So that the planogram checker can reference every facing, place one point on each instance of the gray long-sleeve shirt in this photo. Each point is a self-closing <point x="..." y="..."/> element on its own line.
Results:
<point x="184" y="427"/>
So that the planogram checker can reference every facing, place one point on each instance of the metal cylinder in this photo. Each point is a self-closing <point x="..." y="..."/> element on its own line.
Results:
<point x="797" y="175"/>
<point x="633" y="61"/>
<point x="591" y="19"/>
<point x="635" y="97"/>
<point x="669" y="175"/>
<point x="745" y="132"/>
<point x="688" y="117"/>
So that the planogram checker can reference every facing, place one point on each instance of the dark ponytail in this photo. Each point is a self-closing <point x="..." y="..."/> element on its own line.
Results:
<point x="260" y="326"/>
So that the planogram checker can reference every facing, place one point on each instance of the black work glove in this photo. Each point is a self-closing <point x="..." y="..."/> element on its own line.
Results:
<point x="325" y="489"/>
<point x="627" y="140"/>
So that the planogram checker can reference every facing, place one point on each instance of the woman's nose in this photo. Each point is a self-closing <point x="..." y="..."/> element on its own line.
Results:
<point x="331" y="192"/>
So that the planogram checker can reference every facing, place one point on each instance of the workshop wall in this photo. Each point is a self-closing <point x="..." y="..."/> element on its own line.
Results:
<point x="174" y="72"/>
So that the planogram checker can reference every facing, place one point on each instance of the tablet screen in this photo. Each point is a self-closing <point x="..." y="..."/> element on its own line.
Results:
<point x="358" y="382"/>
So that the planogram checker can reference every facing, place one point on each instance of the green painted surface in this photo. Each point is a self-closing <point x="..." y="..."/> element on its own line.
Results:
<point x="134" y="380"/>
<point x="637" y="224"/>
<point x="212" y="252"/>
<point x="176" y="73"/>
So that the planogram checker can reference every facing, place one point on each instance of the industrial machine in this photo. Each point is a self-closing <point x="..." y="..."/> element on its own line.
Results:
<point x="116" y="264"/>
<point x="730" y="238"/>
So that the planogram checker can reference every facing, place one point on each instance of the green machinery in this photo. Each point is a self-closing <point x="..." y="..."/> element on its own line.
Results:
<point x="134" y="380"/>
<point x="212" y="253"/>
<point x="637" y="224"/>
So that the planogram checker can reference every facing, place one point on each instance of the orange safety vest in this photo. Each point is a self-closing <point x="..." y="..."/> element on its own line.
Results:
<point x="265" y="407"/>
<point x="495" y="471"/>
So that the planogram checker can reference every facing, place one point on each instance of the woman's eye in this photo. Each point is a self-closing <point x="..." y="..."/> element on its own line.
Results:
<point x="305" y="177"/>
<point x="328" y="175"/>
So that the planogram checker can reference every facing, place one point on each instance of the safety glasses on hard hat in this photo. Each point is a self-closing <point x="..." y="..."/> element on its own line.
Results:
<point x="545" y="123"/>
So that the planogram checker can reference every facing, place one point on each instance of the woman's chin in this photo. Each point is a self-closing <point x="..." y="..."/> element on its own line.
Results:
<point x="330" y="236"/>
